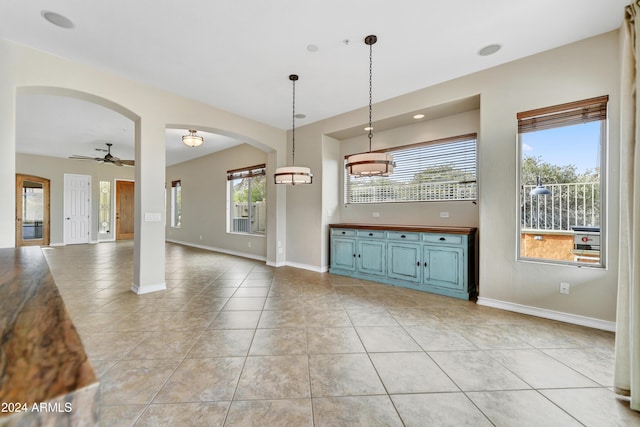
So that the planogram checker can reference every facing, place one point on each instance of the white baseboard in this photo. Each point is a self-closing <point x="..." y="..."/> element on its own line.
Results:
<point x="307" y="267"/>
<point x="146" y="289"/>
<point x="276" y="264"/>
<point x="214" y="249"/>
<point x="549" y="314"/>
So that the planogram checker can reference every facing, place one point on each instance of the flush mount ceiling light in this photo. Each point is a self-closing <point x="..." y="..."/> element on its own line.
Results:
<point x="57" y="19"/>
<point x="192" y="140"/>
<point x="369" y="163"/>
<point x="490" y="49"/>
<point x="293" y="174"/>
<point x="418" y="116"/>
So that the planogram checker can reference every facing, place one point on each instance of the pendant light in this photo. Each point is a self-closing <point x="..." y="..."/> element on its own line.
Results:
<point x="369" y="163"/>
<point x="192" y="140"/>
<point x="540" y="189"/>
<point x="293" y="174"/>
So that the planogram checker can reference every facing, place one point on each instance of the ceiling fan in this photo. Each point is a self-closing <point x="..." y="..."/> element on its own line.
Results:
<point x="108" y="158"/>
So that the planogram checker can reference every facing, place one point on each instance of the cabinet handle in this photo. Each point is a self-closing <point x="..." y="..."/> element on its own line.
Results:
<point x="370" y="234"/>
<point x="344" y="232"/>
<point x="403" y="236"/>
<point x="354" y="255"/>
<point x="418" y="263"/>
<point x="358" y="255"/>
<point x="425" y="263"/>
<point x="442" y="239"/>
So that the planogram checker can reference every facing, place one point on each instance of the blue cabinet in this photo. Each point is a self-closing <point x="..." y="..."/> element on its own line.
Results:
<point x="433" y="259"/>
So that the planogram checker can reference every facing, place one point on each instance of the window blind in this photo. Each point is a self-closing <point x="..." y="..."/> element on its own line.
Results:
<point x="246" y="172"/>
<point x="444" y="169"/>
<point x="571" y="113"/>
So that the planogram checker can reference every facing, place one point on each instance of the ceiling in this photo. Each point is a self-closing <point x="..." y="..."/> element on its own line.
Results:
<point x="237" y="55"/>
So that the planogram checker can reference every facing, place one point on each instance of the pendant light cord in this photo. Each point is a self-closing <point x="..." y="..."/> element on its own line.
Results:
<point x="370" y="91"/>
<point x="293" y="126"/>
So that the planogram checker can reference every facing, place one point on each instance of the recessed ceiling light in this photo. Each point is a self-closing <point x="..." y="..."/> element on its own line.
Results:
<point x="418" y="116"/>
<point x="300" y="116"/>
<point x="57" y="19"/>
<point x="312" y="48"/>
<point x="490" y="49"/>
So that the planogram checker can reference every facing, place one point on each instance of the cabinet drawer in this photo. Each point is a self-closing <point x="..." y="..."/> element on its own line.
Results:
<point x="452" y="239"/>
<point x="371" y="234"/>
<point x="405" y="237"/>
<point x="343" y="232"/>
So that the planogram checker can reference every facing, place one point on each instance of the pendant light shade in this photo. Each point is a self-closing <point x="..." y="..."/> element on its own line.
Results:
<point x="192" y="140"/>
<point x="370" y="163"/>
<point x="293" y="174"/>
<point x="540" y="189"/>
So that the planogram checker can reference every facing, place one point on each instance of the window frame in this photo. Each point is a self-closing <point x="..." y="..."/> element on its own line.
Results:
<point x="176" y="186"/>
<point x="243" y="173"/>
<point x="559" y="116"/>
<point x="470" y="137"/>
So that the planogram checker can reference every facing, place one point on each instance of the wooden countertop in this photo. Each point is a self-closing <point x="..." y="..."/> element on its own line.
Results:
<point x="402" y="227"/>
<point x="42" y="360"/>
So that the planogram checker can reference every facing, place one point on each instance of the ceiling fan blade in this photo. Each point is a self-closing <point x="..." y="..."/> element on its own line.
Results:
<point x="116" y="162"/>
<point x="86" y="158"/>
<point x="128" y="162"/>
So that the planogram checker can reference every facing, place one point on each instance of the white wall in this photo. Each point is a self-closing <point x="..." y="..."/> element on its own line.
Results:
<point x="54" y="168"/>
<point x="204" y="202"/>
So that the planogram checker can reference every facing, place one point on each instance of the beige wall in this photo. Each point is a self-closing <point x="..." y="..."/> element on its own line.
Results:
<point x="204" y="202"/>
<point x="53" y="169"/>
<point x="581" y="70"/>
<point x="152" y="110"/>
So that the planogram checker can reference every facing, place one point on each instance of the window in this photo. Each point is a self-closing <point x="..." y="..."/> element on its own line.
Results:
<point x="439" y="170"/>
<point x="176" y="204"/>
<point x="561" y="182"/>
<point x="247" y="200"/>
<point x="104" y="214"/>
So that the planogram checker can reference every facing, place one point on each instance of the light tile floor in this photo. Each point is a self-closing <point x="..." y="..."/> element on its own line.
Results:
<point x="233" y="342"/>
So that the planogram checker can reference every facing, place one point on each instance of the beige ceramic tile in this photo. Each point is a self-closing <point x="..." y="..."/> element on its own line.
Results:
<point x="274" y="377"/>
<point x="333" y="340"/>
<point x="525" y="408"/>
<point x="221" y="342"/>
<point x="411" y="373"/>
<point x="343" y="375"/>
<point x="355" y="411"/>
<point x="386" y="339"/>
<point x="594" y="406"/>
<point x="438" y="409"/>
<point x="271" y="342"/>
<point x="284" y="412"/>
<point x="135" y="381"/>
<point x="184" y="414"/>
<point x="476" y="370"/>
<point x="202" y="380"/>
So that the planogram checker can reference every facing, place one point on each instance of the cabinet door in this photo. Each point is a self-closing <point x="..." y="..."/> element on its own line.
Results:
<point x="444" y="266"/>
<point x="371" y="257"/>
<point x="343" y="252"/>
<point x="404" y="261"/>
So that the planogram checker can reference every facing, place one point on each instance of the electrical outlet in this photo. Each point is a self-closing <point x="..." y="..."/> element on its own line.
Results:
<point x="564" y="288"/>
<point x="444" y="214"/>
<point x="376" y="214"/>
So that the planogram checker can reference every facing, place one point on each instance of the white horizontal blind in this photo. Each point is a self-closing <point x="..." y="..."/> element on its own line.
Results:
<point x="432" y="171"/>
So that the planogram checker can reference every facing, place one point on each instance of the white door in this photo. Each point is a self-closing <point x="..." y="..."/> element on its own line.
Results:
<point x="77" y="208"/>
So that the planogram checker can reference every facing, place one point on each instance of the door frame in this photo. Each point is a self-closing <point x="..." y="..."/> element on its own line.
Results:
<point x="46" y="213"/>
